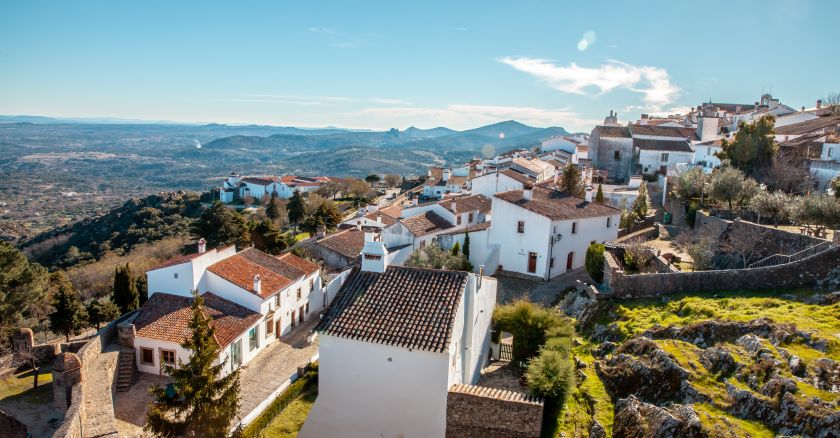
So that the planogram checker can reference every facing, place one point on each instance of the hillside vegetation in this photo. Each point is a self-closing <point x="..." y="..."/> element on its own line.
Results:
<point x="726" y="364"/>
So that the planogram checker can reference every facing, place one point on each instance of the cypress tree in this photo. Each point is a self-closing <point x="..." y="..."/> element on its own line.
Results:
<point x="142" y="289"/>
<point x="296" y="209"/>
<point x="456" y="249"/>
<point x="198" y="402"/>
<point x="599" y="196"/>
<point x="641" y="204"/>
<point x="466" y="249"/>
<point x="125" y="295"/>
<point x="70" y="316"/>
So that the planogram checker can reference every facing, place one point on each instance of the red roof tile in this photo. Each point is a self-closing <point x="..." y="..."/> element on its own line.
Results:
<point x="557" y="205"/>
<point x="240" y="270"/>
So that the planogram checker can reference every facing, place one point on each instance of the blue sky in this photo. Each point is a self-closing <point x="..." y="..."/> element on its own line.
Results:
<point x="382" y="64"/>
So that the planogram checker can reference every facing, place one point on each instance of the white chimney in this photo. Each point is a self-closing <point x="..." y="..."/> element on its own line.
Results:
<point x="378" y="219"/>
<point x="446" y="174"/>
<point x="257" y="284"/>
<point x="452" y="206"/>
<point x="527" y="193"/>
<point x="819" y="103"/>
<point x="556" y="175"/>
<point x="358" y="225"/>
<point x="588" y="196"/>
<point x="415" y="201"/>
<point x="429" y="173"/>
<point x="374" y="255"/>
<point x="202" y="246"/>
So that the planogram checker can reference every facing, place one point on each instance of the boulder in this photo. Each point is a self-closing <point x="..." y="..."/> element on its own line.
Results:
<point x="718" y="360"/>
<point x="635" y="418"/>
<point x="640" y="368"/>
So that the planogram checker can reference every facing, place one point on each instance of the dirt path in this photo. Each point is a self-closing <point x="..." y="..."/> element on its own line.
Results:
<point x="99" y="406"/>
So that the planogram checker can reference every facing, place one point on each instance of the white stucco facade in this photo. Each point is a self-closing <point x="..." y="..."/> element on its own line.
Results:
<point x="492" y="183"/>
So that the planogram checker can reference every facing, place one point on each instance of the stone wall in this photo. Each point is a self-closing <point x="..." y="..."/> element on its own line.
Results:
<point x="636" y="226"/>
<point x="770" y="240"/>
<point x="74" y="418"/>
<point x="10" y="427"/>
<point x="476" y="411"/>
<point x="803" y="273"/>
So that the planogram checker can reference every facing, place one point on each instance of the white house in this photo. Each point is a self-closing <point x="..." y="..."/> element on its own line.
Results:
<point x="392" y="343"/>
<point x="536" y="168"/>
<point x="423" y="223"/>
<point x="501" y="181"/>
<point x="705" y="154"/>
<point x="543" y="232"/>
<point x="441" y="182"/>
<point x="283" y="292"/>
<point x="659" y="155"/>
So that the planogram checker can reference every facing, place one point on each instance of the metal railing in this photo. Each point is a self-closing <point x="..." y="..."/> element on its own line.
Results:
<point x="780" y="259"/>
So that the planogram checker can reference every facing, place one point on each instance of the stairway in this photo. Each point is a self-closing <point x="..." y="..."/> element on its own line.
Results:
<point x="126" y="369"/>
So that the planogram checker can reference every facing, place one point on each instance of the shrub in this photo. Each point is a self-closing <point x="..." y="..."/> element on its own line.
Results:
<point x="550" y="375"/>
<point x="529" y="323"/>
<point x="595" y="261"/>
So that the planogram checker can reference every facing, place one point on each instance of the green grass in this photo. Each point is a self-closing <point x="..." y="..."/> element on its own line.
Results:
<point x="718" y="424"/>
<point x="300" y="236"/>
<point x="20" y="385"/>
<point x="291" y="419"/>
<point x="587" y="401"/>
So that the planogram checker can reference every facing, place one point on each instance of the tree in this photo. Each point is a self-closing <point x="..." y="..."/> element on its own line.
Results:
<point x="142" y="289"/>
<point x="832" y="103"/>
<point x="125" y="294"/>
<point x="728" y="184"/>
<point x="328" y="190"/>
<point x="820" y="210"/>
<point x="456" y="249"/>
<point x="627" y="216"/>
<point x="313" y="202"/>
<point x="198" y="402"/>
<point x="466" y="249"/>
<point x="599" y="195"/>
<point x="550" y="375"/>
<point x="699" y="246"/>
<point x="69" y="316"/>
<point x="642" y="204"/>
<point x="372" y="179"/>
<point x="435" y="257"/>
<point x="594" y="261"/>
<point x="23" y="286"/>
<point x="771" y="205"/>
<point x="834" y="185"/>
<point x="326" y="215"/>
<point x="102" y="311"/>
<point x="530" y="325"/>
<point x="689" y="184"/>
<point x="392" y="180"/>
<point x="221" y="226"/>
<point x="296" y="209"/>
<point x="248" y="200"/>
<point x="276" y="210"/>
<point x="636" y="254"/>
<point x="358" y="188"/>
<point x="267" y="238"/>
<point x="571" y="181"/>
<point x="753" y="146"/>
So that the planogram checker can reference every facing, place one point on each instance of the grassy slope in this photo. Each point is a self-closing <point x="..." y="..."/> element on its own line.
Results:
<point x="20" y="384"/>
<point x="291" y="419"/>
<point x="633" y="317"/>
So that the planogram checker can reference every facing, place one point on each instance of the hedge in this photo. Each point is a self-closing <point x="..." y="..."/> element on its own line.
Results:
<point x="298" y="387"/>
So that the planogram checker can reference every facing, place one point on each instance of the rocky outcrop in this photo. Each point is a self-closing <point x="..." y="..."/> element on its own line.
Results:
<point x="637" y="419"/>
<point x="640" y="368"/>
<point x="784" y="413"/>
<point x="707" y="333"/>
<point x="718" y="360"/>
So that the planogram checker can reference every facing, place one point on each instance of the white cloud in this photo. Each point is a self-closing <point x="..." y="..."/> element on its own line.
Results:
<point x="653" y="82"/>
<point x="464" y="116"/>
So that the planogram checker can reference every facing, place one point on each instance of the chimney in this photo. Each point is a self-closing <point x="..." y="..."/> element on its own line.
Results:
<point x="556" y="175"/>
<point x="453" y="206"/>
<point x="528" y="192"/>
<point x="374" y="254"/>
<point x="480" y="275"/>
<point x="257" y="284"/>
<point x="819" y="103"/>
<point x="429" y="173"/>
<point x="588" y="196"/>
<point x="415" y="201"/>
<point x="803" y="108"/>
<point x="358" y="225"/>
<point x="378" y="219"/>
<point x="202" y="246"/>
<point x="446" y="174"/>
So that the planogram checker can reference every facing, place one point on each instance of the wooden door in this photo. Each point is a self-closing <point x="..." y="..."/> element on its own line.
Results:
<point x="279" y="327"/>
<point x="301" y="314"/>
<point x="570" y="260"/>
<point x="532" y="262"/>
<point x="293" y="319"/>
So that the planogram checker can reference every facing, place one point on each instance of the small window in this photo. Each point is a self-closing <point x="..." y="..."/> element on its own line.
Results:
<point x="609" y="222"/>
<point x="520" y="227"/>
<point x="617" y="155"/>
<point x="147" y="356"/>
<point x="664" y="158"/>
<point x="277" y="301"/>
<point x="167" y="357"/>
<point x="175" y="275"/>
<point x="269" y="327"/>
<point x="311" y="284"/>
<point x="253" y="342"/>
<point x="298" y="293"/>
<point x="574" y="227"/>
<point x="471" y="214"/>
<point x="551" y="263"/>
<point x="458" y="220"/>
<point x="422" y="244"/>
<point x="379" y="257"/>
<point x="306" y="309"/>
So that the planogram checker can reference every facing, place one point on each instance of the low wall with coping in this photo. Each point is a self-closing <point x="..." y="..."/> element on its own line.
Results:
<point x="473" y="411"/>
<point x="74" y="418"/>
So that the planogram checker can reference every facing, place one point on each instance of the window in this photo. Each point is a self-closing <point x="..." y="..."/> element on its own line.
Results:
<point x="269" y="327"/>
<point x="609" y="220"/>
<point x="376" y="257"/>
<point x="167" y="357"/>
<point x="617" y="155"/>
<point x="298" y="293"/>
<point x="574" y="227"/>
<point x="458" y="220"/>
<point x="551" y="263"/>
<point x="520" y="227"/>
<point x="422" y="244"/>
<point x="708" y="151"/>
<point x="253" y="342"/>
<point x="470" y="218"/>
<point x="147" y="356"/>
<point x="277" y="301"/>
<point x="311" y="283"/>
<point x="664" y="157"/>
<point x="307" y="308"/>
<point x="175" y="275"/>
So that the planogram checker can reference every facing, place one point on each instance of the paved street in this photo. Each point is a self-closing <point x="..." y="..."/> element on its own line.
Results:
<point x="538" y="291"/>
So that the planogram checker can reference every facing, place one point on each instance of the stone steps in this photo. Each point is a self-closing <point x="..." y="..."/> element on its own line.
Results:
<point x="126" y="370"/>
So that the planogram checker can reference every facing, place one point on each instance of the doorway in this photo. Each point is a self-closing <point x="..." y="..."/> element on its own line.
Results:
<point x="300" y="314"/>
<point x="279" y="327"/>
<point x="570" y="260"/>
<point x="532" y="262"/>
<point x="293" y="318"/>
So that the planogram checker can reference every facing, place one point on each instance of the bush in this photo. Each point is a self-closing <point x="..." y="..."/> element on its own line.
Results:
<point x="691" y="213"/>
<point x="595" y="261"/>
<point x="529" y="323"/>
<point x="550" y="375"/>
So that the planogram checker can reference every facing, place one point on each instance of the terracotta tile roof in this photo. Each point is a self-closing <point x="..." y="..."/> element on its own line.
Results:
<point x="518" y="176"/>
<point x="240" y="270"/>
<point x="404" y="307"/>
<point x="426" y="223"/>
<point x="288" y="265"/>
<point x="454" y="181"/>
<point x="464" y="204"/>
<point x="536" y="165"/>
<point x="472" y="228"/>
<point x="348" y="243"/>
<point x="808" y="126"/>
<point x="556" y="205"/>
<point x="436" y="175"/>
<point x="387" y="219"/>
<point x="165" y="317"/>
<point x="663" y="131"/>
<point x="258" y="180"/>
<point x="300" y="264"/>
<point x="613" y="131"/>
<point x="662" y="145"/>
<point x="177" y="260"/>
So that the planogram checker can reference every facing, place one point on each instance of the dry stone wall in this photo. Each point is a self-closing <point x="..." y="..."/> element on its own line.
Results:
<point x="476" y="411"/>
